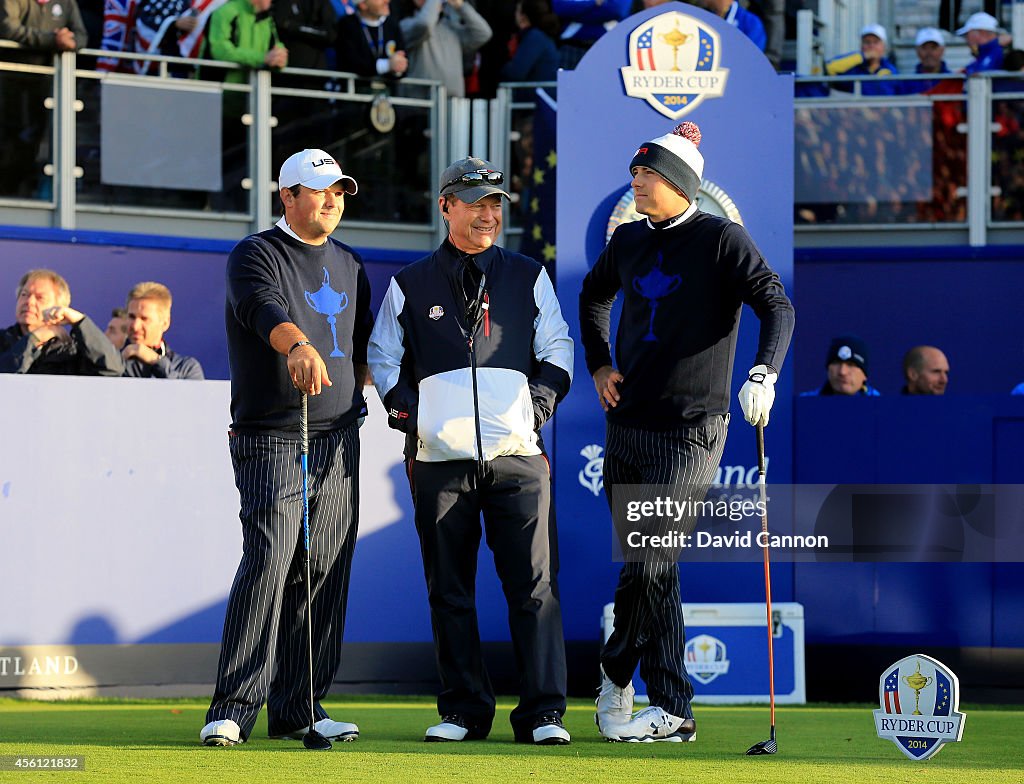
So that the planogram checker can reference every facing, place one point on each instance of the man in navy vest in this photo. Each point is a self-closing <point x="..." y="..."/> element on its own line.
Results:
<point x="471" y="355"/>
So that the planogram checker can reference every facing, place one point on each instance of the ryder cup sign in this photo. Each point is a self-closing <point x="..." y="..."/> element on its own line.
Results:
<point x="918" y="700"/>
<point x="673" y="64"/>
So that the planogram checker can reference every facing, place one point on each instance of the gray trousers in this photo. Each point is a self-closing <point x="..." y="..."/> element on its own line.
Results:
<point x="514" y="497"/>
<point x="264" y="653"/>
<point x="649" y="628"/>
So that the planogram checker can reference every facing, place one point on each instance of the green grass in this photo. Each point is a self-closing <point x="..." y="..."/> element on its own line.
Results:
<point x="142" y="741"/>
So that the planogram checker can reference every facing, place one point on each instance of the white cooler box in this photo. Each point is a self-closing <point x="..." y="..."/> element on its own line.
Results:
<point x="727" y="652"/>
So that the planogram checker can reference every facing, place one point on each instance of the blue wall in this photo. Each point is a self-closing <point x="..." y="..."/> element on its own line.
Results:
<point x="966" y="299"/>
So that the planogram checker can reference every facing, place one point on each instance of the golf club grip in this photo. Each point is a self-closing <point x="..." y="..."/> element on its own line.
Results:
<point x="760" y="447"/>
<point x="304" y="424"/>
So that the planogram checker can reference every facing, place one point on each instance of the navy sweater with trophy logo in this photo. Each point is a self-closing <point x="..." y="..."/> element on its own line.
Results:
<point x="273" y="278"/>
<point x="683" y="287"/>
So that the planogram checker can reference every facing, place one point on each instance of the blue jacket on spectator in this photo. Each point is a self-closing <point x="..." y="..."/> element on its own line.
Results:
<point x="852" y="64"/>
<point x="747" y="23"/>
<point x="917" y="86"/>
<point x="535" y="60"/>
<point x="990" y="58"/>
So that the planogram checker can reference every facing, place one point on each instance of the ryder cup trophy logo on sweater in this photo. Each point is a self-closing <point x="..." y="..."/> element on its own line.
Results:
<point x="918" y="701"/>
<point x="328" y="302"/>
<point x="673" y="64"/>
<point x="653" y="286"/>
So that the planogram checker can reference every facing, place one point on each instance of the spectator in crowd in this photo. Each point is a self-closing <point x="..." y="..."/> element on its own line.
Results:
<point x="847" y="363"/>
<point x="43" y="26"/>
<point x="470" y="292"/>
<point x="440" y="34"/>
<point x="370" y="41"/>
<point x="36" y="342"/>
<point x="308" y="28"/>
<point x="585" y="21"/>
<point x="147" y="354"/>
<point x="117" y="328"/>
<point x="501" y="16"/>
<point x="982" y="34"/>
<point x="930" y="45"/>
<point x="243" y="32"/>
<point x="739" y="17"/>
<point x="926" y="371"/>
<point x="869" y="61"/>
<point x="536" y="56"/>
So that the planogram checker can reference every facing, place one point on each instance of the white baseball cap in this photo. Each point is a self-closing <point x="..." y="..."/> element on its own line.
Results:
<point x="315" y="169"/>
<point x="979" y="21"/>
<point x="876" y="30"/>
<point x="929" y="35"/>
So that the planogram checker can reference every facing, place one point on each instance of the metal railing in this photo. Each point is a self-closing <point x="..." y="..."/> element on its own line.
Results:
<point x="869" y="169"/>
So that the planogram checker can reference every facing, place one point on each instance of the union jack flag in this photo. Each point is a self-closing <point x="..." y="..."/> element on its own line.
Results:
<point x="118" y="32"/>
<point x="645" y="51"/>
<point x="892" y="692"/>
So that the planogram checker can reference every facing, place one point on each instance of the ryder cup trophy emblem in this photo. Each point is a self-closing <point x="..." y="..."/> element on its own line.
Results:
<point x="328" y="302"/>
<point x="934" y="691"/>
<point x="653" y="286"/>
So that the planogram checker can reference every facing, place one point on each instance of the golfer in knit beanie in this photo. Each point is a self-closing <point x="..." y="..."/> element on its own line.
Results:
<point x="675" y="157"/>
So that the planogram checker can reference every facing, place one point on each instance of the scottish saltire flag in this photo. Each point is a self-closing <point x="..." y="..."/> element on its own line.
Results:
<point x="118" y="32"/>
<point x="645" y="50"/>
<point x="538" y="240"/>
<point x="892" y="692"/>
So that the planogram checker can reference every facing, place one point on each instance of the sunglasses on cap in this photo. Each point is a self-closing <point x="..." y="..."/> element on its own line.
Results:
<point x="476" y="178"/>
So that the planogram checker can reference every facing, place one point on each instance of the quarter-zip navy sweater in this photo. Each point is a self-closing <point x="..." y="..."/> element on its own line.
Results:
<point x="272" y="279"/>
<point x="683" y="288"/>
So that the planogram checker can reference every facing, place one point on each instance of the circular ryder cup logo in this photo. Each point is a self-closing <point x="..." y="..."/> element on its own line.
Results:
<point x="435" y="312"/>
<point x="705" y="658"/>
<point x="673" y="64"/>
<point x="844" y="353"/>
<point x="918" y="700"/>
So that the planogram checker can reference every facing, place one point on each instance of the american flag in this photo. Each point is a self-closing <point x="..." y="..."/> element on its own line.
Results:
<point x="155" y="21"/>
<point x="644" y="50"/>
<point x="892" y="692"/>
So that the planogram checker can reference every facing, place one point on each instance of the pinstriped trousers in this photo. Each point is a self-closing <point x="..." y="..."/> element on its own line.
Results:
<point x="265" y="623"/>
<point x="649" y="627"/>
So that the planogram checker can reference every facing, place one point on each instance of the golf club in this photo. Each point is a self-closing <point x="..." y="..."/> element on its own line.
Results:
<point x="312" y="740"/>
<point x="766" y="746"/>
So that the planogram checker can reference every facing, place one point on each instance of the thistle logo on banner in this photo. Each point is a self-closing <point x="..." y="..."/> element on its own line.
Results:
<point x="673" y="64"/>
<point x="918" y="700"/>
<point x="592" y="475"/>
<point x="705" y="658"/>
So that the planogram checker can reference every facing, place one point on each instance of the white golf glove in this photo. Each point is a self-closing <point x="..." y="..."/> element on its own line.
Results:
<point x="758" y="394"/>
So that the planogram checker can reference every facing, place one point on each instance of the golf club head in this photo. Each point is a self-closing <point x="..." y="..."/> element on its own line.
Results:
<point x="314" y="741"/>
<point x="764" y="747"/>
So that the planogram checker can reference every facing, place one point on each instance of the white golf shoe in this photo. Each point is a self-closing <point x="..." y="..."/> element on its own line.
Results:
<point x="221" y="733"/>
<point x="652" y="725"/>
<point x="614" y="706"/>
<point x="342" y="731"/>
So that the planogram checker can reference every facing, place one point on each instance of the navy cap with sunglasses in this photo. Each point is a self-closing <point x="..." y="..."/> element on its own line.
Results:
<point x="471" y="179"/>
